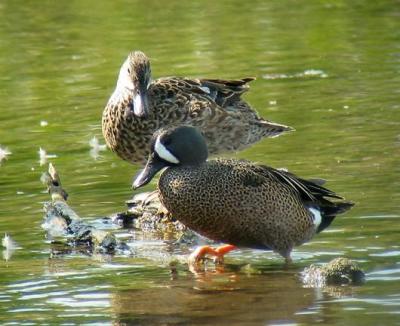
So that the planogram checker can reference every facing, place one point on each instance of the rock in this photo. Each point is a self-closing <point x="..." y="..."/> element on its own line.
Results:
<point x="145" y="212"/>
<point x="60" y="220"/>
<point x="339" y="271"/>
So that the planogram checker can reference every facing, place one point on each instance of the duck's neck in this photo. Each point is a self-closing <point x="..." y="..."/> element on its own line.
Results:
<point x="121" y="93"/>
<point x="124" y="88"/>
<point x="125" y="79"/>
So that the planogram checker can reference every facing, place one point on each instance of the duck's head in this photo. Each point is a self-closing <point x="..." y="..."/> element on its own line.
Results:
<point x="135" y="75"/>
<point x="178" y="146"/>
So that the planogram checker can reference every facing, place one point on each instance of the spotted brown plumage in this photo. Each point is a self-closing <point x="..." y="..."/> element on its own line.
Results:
<point x="236" y="201"/>
<point x="139" y="106"/>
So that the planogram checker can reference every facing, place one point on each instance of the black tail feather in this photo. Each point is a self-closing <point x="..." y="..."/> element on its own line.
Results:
<point x="329" y="210"/>
<point x="318" y="181"/>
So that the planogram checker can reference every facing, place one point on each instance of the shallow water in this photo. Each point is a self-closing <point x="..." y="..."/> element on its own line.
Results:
<point x="328" y="68"/>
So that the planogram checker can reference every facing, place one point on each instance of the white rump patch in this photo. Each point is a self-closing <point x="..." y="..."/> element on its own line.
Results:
<point x="164" y="153"/>
<point x="317" y="216"/>
<point x="205" y="89"/>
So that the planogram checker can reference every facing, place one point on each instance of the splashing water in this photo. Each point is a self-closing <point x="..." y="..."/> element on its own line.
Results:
<point x="96" y="147"/>
<point x="4" y="152"/>
<point x="43" y="156"/>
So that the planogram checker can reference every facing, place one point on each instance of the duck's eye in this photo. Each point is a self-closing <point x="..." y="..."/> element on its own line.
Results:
<point x="55" y="183"/>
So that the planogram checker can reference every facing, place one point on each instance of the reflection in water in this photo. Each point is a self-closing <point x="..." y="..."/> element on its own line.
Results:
<point x="229" y="297"/>
<point x="215" y="298"/>
<point x="219" y="294"/>
<point x="9" y="245"/>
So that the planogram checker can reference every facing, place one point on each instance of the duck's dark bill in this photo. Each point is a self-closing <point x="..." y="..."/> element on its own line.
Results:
<point x="150" y="170"/>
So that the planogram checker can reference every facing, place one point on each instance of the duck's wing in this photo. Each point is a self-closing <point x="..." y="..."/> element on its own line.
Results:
<point x="314" y="196"/>
<point x="225" y="92"/>
<point x="308" y="190"/>
<point x="221" y="92"/>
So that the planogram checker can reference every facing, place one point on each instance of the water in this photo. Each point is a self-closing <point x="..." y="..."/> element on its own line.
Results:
<point x="328" y="68"/>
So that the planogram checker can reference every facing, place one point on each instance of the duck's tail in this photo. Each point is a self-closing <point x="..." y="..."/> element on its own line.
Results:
<point x="273" y="129"/>
<point x="329" y="210"/>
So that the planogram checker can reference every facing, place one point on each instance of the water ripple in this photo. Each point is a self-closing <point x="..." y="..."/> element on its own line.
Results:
<point x="71" y="302"/>
<point x="309" y="73"/>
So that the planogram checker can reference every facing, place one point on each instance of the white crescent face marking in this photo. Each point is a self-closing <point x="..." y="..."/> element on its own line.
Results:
<point x="317" y="216"/>
<point x="164" y="153"/>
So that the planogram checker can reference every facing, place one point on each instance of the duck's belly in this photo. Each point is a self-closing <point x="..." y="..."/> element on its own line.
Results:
<point x="213" y="201"/>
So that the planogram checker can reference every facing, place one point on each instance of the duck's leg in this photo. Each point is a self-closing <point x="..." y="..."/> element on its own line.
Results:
<point x="286" y="254"/>
<point x="202" y="251"/>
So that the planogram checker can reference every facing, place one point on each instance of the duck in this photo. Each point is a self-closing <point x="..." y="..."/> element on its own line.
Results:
<point x="139" y="106"/>
<point x="236" y="202"/>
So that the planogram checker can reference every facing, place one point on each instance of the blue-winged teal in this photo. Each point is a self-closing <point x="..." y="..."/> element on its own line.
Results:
<point x="139" y="106"/>
<point x="236" y="202"/>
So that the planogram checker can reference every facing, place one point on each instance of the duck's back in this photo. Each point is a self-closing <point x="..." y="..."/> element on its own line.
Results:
<point x="203" y="102"/>
<point x="237" y="202"/>
<point x="214" y="106"/>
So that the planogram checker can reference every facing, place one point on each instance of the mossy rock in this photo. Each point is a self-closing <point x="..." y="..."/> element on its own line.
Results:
<point x="339" y="271"/>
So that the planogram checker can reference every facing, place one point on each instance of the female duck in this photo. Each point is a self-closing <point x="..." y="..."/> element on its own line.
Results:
<point x="139" y="106"/>
<point x="236" y="202"/>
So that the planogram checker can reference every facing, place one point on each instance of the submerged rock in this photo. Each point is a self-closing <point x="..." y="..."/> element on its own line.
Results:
<point x="339" y="271"/>
<point x="60" y="220"/>
<point x="145" y="212"/>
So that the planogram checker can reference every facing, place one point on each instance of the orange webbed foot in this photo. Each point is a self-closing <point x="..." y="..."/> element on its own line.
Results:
<point x="218" y="253"/>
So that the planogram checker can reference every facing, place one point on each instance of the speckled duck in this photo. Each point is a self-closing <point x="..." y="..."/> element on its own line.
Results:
<point x="140" y="106"/>
<point x="236" y="202"/>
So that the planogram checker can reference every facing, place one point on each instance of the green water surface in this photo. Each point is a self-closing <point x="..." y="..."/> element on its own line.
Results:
<point x="330" y="69"/>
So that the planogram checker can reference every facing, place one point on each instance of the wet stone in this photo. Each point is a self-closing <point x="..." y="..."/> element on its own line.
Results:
<point x="339" y="271"/>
